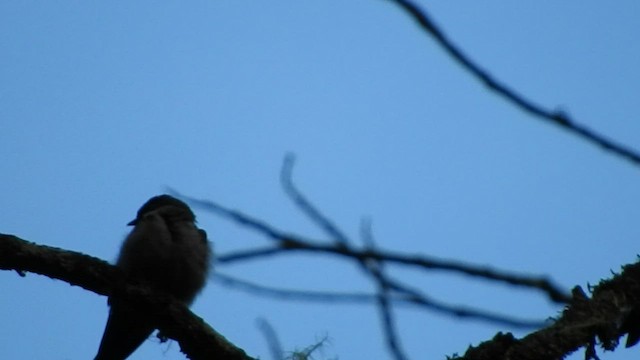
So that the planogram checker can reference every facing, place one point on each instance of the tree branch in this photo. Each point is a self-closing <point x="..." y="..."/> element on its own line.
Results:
<point x="275" y="347"/>
<point x="405" y="297"/>
<point x="602" y="317"/>
<point x="555" y="117"/>
<point x="197" y="339"/>
<point x="375" y="269"/>
<point x="291" y="244"/>
<point x="307" y="208"/>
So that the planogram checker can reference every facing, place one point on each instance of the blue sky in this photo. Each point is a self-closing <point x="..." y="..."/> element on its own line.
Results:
<point x="104" y="105"/>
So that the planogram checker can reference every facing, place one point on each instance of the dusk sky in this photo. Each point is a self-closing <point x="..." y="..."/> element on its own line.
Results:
<point x="105" y="104"/>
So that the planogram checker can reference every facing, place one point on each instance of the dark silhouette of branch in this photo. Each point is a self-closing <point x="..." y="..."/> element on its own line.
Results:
<point x="307" y="208"/>
<point x="375" y="269"/>
<point x="294" y="295"/>
<point x="606" y="316"/>
<point x="275" y="347"/>
<point x="257" y="253"/>
<point x="418" y="298"/>
<point x="197" y="339"/>
<point x="404" y="297"/>
<point x="386" y="315"/>
<point x="609" y="314"/>
<point x="290" y="244"/>
<point x="372" y="261"/>
<point x="555" y="117"/>
<point x="286" y="242"/>
<point x="372" y="267"/>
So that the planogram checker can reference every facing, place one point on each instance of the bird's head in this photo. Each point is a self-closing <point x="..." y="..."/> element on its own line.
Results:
<point x="164" y="204"/>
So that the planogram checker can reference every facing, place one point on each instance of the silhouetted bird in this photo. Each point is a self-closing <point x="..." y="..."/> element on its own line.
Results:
<point x="166" y="251"/>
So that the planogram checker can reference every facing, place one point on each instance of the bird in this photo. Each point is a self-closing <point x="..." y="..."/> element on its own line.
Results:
<point x="165" y="251"/>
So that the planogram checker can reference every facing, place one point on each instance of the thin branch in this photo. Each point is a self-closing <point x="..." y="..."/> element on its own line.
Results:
<point x="289" y="244"/>
<point x="275" y="347"/>
<point x="413" y="298"/>
<point x="388" y="320"/>
<point x="234" y="215"/>
<point x="375" y="269"/>
<point x="249" y="254"/>
<point x="306" y="352"/>
<point x="293" y="295"/>
<point x="555" y="117"/>
<point x="286" y="179"/>
<point x="418" y="298"/>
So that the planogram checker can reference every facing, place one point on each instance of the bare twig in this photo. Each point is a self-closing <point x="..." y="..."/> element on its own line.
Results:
<point x="272" y="339"/>
<point x="418" y="298"/>
<point x="305" y="354"/>
<point x="372" y="262"/>
<point x="234" y="215"/>
<point x="257" y="253"/>
<point x="290" y="244"/>
<point x="286" y="179"/>
<point x="555" y="117"/>
<point x="404" y="297"/>
<point x="386" y="314"/>
<point x="290" y="294"/>
<point x="375" y="269"/>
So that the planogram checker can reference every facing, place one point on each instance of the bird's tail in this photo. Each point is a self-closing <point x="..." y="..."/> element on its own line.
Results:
<point x="125" y="331"/>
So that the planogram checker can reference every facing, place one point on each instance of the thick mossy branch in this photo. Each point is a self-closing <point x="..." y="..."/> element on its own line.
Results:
<point x="605" y="317"/>
<point x="197" y="339"/>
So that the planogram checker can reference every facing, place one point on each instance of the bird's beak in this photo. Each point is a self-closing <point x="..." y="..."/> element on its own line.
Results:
<point x="133" y="222"/>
